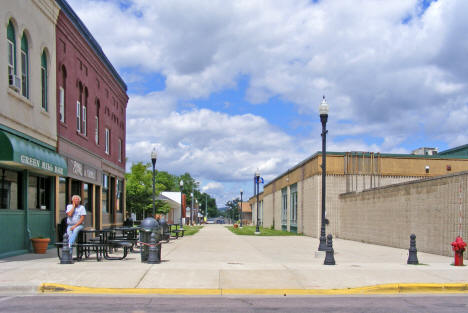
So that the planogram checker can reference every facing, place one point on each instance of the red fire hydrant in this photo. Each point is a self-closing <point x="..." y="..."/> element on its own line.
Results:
<point x="459" y="247"/>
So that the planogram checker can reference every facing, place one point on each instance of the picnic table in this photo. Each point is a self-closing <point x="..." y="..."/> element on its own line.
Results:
<point x="174" y="228"/>
<point x="101" y="242"/>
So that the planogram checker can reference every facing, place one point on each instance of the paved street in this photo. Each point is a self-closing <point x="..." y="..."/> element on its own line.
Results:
<point x="217" y="262"/>
<point x="246" y="304"/>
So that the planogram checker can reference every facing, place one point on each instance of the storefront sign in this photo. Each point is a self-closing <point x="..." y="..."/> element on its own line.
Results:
<point x="41" y="164"/>
<point x="80" y="170"/>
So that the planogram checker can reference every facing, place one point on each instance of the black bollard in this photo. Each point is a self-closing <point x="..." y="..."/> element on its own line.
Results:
<point x="330" y="253"/>
<point x="413" y="253"/>
<point x="153" y="253"/>
<point x="66" y="251"/>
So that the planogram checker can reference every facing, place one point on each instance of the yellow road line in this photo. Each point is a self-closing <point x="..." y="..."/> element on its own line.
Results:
<point x="377" y="289"/>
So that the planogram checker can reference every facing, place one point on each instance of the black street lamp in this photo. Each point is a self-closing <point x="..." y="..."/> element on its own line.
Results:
<point x="241" y="192"/>
<point x="257" y="181"/>
<point x="323" y="109"/>
<point x="154" y="156"/>
<point x="181" y="184"/>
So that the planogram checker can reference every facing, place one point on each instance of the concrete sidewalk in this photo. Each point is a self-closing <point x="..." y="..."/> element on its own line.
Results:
<point x="215" y="261"/>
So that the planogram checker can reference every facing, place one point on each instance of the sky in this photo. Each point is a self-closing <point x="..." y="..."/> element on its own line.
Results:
<point x="223" y="88"/>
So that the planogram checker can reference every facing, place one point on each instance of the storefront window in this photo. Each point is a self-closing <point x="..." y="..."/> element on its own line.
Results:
<point x="105" y="193"/>
<point x="119" y="195"/>
<point x="62" y="194"/>
<point x="38" y="192"/>
<point x="8" y="189"/>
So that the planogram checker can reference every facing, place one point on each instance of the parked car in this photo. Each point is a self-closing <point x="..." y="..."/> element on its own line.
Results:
<point x="210" y="221"/>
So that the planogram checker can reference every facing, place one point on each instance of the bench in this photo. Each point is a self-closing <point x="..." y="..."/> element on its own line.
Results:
<point x="177" y="231"/>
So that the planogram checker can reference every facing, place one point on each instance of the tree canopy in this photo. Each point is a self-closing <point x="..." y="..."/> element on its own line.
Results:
<point x="139" y="189"/>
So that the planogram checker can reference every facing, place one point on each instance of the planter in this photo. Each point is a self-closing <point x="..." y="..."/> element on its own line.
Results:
<point x="40" y="244"/>
<point x="235" y="225"/>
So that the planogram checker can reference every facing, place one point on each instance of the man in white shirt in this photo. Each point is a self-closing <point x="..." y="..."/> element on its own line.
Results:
<point x="75" y="218"/>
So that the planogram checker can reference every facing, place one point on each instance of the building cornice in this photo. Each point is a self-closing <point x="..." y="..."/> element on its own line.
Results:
<point x="80" y="26"/>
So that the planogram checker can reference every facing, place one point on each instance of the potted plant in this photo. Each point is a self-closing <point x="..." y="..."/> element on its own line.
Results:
<point x="40" y="244"/>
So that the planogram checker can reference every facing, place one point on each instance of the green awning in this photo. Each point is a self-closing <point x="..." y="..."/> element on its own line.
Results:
<point x="18" y="150"/>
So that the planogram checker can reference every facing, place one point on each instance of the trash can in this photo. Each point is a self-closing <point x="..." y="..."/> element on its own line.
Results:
<point x="147" y="226"/>
<point x="164" y="229"/>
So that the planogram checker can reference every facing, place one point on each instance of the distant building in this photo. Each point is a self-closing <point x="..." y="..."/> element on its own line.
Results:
<point x="425" y="151"/>
<point x="173" y="199"/>
<point x="246" y="213"/>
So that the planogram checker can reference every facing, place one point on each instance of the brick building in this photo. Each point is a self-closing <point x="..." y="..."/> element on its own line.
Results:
<point x="91" y="113"/>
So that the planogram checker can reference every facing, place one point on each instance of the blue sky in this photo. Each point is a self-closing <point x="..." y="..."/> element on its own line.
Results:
<point x="222" y="88"/>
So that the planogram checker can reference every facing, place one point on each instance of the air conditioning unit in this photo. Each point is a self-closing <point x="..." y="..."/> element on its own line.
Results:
<point x="15" y="82"/>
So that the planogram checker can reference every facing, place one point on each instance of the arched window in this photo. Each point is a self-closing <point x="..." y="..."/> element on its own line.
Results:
<point x="24" y="66"/>
<point x="44" y="77"/>
<point x="62" y="93"/>
<point x="11" y="39"/>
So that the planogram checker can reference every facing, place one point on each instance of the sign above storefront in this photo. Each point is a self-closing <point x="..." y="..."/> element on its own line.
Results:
<point x="29" y="153"/>
<point x="24" y="159"/>
<point x="80" y="170"/>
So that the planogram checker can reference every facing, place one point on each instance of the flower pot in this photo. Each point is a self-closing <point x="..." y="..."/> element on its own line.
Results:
<point x="40" y="244"/>
<point x="235" y="225"/>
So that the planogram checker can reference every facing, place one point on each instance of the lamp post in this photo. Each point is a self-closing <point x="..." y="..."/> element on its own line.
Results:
<point x="241" y="192"/>
<point x="181" y="184"/>
<point x="191" y="208"/>
<point x="154" y="156"/>
<point x="323" y="109"/>
<point x="257" y="181"/>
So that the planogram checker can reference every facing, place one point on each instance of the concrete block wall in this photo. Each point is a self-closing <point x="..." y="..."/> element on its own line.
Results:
<point x="434" y="209"/>
<point x="268" y="214"/>
<point x="277" y="209"/>
<point x="311" y="204"/>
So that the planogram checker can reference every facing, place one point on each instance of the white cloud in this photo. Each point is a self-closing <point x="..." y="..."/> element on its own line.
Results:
<point x="382" y="77"/>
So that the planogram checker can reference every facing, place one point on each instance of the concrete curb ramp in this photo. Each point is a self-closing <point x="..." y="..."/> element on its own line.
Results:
<point x="368" y="290"/>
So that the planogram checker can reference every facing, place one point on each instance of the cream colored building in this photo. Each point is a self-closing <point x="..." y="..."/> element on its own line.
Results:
<point x="292" y="201"/>
<point x="27" y="32"/>
<point x="29" y="164"/>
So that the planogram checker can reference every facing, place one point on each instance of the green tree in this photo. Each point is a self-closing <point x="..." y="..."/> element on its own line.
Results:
<point x="232" y="209"/>
<point x="139" y="189"/>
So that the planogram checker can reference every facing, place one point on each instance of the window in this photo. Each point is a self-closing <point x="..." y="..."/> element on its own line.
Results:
<point x="44" y="80"/>
<point x="105" y="193"/>
<point x="9" y="194"/>
<point x="24" y="67"/>
<point x="107" y="141"/>
<point x="83" y="125"/>
<point x="284" y="206"/>
<point x="62" y="92"/>
<point x="119" y="194"/>
<point x="120" y="150"/>
<point x="62" y="104"/>
<point x="96" y="131"/>
<point x="39" y="192"/>
<point x="78" y="116"/>
<point x="11" y="54"/>
<point x="293" y="204"/>
<point x="62" y="195"/>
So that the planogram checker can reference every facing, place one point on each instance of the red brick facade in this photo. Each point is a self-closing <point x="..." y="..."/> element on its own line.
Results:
<point x="90" y="96"/>
<point x="85" y="78"/>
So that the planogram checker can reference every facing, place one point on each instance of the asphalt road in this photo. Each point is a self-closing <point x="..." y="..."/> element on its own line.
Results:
<point x="146" y="304"/>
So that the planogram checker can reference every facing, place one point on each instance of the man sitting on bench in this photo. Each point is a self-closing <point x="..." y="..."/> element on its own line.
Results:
<point x="75" y="218"/>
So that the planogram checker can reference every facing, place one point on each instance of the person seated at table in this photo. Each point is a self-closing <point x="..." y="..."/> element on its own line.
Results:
<point x="75" y="218"/>
<point x="129" y="221"/>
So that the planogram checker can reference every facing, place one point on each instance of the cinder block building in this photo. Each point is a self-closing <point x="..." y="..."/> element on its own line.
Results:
<point x="292" y="201"/>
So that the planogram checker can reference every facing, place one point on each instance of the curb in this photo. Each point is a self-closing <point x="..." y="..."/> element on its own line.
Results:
<point x="50" y="288"/>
